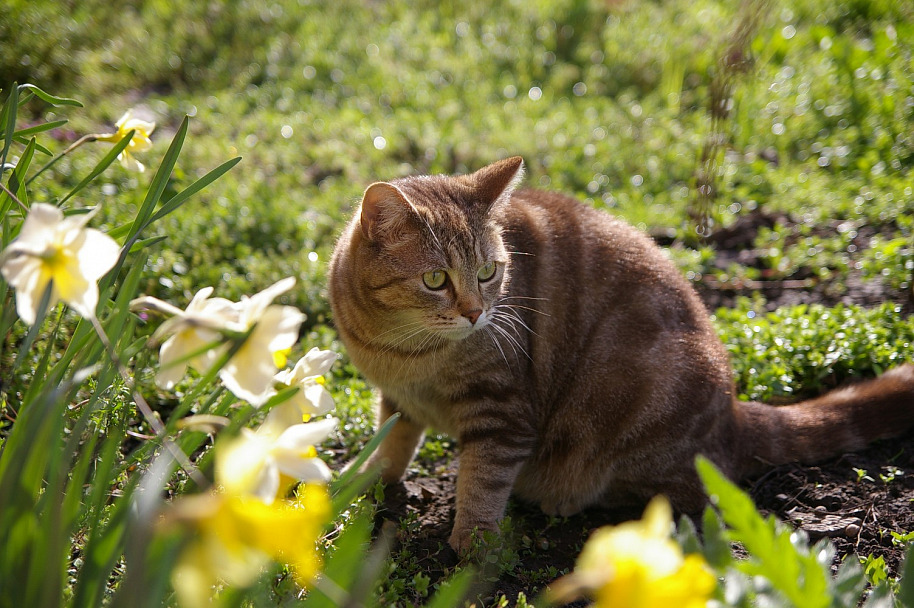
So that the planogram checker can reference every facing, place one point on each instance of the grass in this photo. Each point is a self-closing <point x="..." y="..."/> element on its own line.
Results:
<point x="605" y="101"/>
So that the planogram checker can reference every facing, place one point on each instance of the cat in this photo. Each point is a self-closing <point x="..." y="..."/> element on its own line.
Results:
<point x="564" y="351"/>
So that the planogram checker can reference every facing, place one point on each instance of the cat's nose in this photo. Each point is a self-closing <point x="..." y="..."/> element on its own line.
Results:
<point x="472" y="315"/>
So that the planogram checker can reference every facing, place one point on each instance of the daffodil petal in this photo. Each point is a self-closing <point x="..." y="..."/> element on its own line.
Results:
<point x="279" y="419"/>
<point x="30" y="284"/>
<point x="171" y="373"/>
<point x="97" y="255"/>
<point x="249" y="374"/>
<point x="41" y="222"/>
<point x="316" y="400"/>
<point x="303" y="469"/>
<point x="301" y="436"/>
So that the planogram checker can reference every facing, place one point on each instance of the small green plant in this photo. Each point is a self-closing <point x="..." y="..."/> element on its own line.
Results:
<point x="782" y="568"/>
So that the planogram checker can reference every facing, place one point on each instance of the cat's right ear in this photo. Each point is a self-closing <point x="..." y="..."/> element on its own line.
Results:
<point x="385" y="211"/>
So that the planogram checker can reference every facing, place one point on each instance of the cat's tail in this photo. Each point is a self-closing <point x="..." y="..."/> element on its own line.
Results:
<point x="843" y="420"/>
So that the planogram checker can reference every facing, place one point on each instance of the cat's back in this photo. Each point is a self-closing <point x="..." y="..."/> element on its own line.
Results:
<point x="585" y="260"/>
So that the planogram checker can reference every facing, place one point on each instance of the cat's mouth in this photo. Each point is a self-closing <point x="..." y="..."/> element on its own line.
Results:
<point x="460" y="328"/>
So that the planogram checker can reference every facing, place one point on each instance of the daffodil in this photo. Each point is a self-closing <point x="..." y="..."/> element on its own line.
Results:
<point x="190" y="331"/>
<point x="264" y="329"/>
<point x="312" y="399"/>
<point x="59" y="251"/>
<point x="271" y="328"/>
<point x="637" y="565"/>
<point x="235" y="537"/>
<point x="267" y="463"/>
<point x="140" y="142"/>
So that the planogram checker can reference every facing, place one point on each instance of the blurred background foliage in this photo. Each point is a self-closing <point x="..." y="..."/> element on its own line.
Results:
<point x="606" y="100"/>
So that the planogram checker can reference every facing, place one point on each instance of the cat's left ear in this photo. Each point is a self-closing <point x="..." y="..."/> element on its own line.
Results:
<point x="497" y="181"/>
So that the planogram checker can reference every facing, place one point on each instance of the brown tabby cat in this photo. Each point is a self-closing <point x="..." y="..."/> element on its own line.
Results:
<point x="565" y="352"/>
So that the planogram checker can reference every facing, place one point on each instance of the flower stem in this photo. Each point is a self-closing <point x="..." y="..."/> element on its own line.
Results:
<point x="150" y="416"/>
<point x="15" y="198"/>
<point x="82" y="140"/>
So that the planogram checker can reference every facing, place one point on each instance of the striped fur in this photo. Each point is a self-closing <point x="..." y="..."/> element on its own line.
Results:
<point x="592" y="374"/>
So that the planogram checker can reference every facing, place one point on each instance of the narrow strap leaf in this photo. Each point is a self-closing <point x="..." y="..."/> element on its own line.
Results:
<point x="48" y="98"/>
<point x="10" y="111"/>
<point x="159" y="181"/>
<point x="180" y="198"/>
<point x="28" y="131"/>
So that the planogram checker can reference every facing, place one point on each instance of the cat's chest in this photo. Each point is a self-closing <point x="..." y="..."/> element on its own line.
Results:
<point x="425" y="404"/>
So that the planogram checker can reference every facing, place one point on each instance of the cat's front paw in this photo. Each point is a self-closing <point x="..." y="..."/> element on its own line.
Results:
<point x="466" y="540"/>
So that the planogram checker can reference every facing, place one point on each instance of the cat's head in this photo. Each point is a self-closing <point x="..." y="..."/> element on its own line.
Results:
<point x="436" y="260"/>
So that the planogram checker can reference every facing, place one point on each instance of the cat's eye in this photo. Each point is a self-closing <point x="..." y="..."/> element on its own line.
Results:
<point x="486" y="272"/>
<point x="434" y="279"/>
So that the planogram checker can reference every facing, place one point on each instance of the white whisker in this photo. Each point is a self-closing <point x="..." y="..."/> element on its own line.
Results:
<point x="511" y="339"/>
<point x="488" y="330"/>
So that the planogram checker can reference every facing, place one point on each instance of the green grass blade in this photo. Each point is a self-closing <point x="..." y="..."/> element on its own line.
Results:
<point x="159" y="181"/>
<point x="346" y="478"/>
<point x="39" y="147"/>
<point x="177" y="200"/>
<point x="29" y="131"/>
<point x="453" y="591"/>
<point x="103" y="164"/>
<point x="144" y="243"/>
<point x="48" y="98"/>
<point x="17" y="181"/>
<point x="342" y="567"/>
<point x="10" y="112"/>
<point x="182" y="197"/>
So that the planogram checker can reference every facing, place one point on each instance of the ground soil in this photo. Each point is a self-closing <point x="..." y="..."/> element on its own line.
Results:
<point x="857" y="500"/>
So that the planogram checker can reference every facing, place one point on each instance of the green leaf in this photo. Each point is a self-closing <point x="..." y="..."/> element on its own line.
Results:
<point x="178" y="199"/>
<point x="849" y="583"/>
<point x="791" y="569"/>
<point x="29" y="131"/>
<point x="144" y="243"/>
<point x="366" y="452"/>
<point x="48" y="98"/>
<point x="342" y="568"/>
<point x="906" y="579"/>
<point x="10" y="111"/>
<point x="38" y="147"/>
<point x="716" y="546"/>
<point x="159" y="182"/>
<point x="453" y="592"/>
<point x="181" y="198"/>
<point x="17" y="181"/>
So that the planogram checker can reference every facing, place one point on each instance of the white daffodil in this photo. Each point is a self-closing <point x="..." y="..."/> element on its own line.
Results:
<point x="61" y="251"/>
<point x="312" y="399"/>
<point x="140" y="142"/>
<point x="249" y="373"/>
<point x="190" y="332"/>
<point x="264" y="464"/>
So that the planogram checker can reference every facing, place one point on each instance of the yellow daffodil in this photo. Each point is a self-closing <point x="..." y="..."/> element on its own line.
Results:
<point x="637" y="565"/>
<point x="190" y="332"/>
<point x="249" y="373"/>
<point x="312" y="399"/>
<point x="61" y="251"/>
<point x="266" y="463"/>
<point x="235" y="537"/>
<point x="140" y="142"/>
<point x="265" y="328"/>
